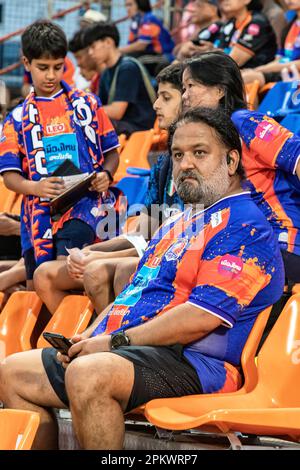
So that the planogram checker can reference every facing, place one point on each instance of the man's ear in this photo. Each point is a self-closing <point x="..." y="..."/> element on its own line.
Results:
<point x="233" y="158"/>
<point x="26" y="63"/>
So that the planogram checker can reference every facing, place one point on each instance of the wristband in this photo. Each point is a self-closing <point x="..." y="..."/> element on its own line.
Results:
<point x="109" y="175"/>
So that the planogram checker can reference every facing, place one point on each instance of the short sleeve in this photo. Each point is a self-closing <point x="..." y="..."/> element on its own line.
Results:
<point x="211" y="33"/>
<point x="254" y="36"/>
<point x="228" y="282"/>
<point x="148" y="31"/>
<point x="9" y="148"/>
<point x="275" y="146"/>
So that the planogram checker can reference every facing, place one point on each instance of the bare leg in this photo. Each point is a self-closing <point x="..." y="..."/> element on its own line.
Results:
<point x="7" y="264"/>
<point x="99" y="387"/>
<point x="24" y="385"/>
<point x="12" y="276"/>
<point x="123" y="272"/>
<point x="98" y="281"/>
<point x="52" y="283"/>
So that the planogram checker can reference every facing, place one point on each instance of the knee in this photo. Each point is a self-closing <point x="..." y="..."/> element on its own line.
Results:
<point x="43" y="276"/>
<point x="7" y="379"/>
<point x="94" y="277"/>
<point x="88" y="378"/>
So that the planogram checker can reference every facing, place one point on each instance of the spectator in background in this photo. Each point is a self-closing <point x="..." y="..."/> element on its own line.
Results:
<point x="247" y="36"/>
<point x="204" y="13"/>
<point x="148" y="40"/>
<point x="125" y="88"/>
<point x="289" y="54"/>
<point x="275" y="14"/>
<point x="86" y="65"/>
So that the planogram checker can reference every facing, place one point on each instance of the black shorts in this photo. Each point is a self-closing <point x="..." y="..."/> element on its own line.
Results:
<point x="291" y="266"/>
<point x="74" y="233"/>
<point x="159" y="372"/>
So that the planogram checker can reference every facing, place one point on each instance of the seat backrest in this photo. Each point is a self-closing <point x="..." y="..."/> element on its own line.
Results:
<point x="134" y="188"/>
<point x="292" y="123"/>
<point x="249" y="351"/>
<point x="18" y="429"/>
<point x="135" y="152"/>
<point x="71" y="317"/>
<point x="22" y="309"/>
<point x="279" y="358"/>
<point x="281" y="99"/>
<point x="251" y="93"/>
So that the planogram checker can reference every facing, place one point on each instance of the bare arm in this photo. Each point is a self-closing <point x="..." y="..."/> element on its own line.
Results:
<point x="45" y="188"/>
<point x="137" y="46"/>
<point x="275" y="66"/>
<point x="116" y="110"/>
<point x="298" y="169"/>
<point x="240" y="56"/>
<point x="182" y="324"/>
<point x="111" y="161"/>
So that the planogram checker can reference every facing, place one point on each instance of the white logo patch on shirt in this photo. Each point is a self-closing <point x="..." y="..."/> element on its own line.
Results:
<point x="216" y="219"/>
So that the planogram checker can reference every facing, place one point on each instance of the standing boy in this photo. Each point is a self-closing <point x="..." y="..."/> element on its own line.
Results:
<point x="54" y="124"/>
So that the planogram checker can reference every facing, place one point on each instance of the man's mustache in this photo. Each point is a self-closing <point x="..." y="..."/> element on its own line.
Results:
<point x="188" y="174"/>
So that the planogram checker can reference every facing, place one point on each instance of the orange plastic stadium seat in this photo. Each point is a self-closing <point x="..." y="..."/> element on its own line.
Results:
<point x="18" y="429"/>
<point x="296" y="289"/>
<point x="17" y="321"/>
<point x="71" y="317"/>
<point x="247" y="358"/>
<point x="272" y="407"/>
<point x="122" y="141"/>
<point x="251" y="93"/>
<point x="6" y="197"/>
<point x="1" y="299"/>
<point x="135" y="153"/>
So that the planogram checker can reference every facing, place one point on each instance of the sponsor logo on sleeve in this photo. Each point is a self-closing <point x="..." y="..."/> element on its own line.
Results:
<point x="253" y="29"/>
<point x="230" y="266"/>
<point x="266" y="131"/>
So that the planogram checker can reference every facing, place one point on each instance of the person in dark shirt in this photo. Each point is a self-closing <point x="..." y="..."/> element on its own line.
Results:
<point x="125" y="88"/>
<point x="289" y="54"/>
<point x="247" y="36"/>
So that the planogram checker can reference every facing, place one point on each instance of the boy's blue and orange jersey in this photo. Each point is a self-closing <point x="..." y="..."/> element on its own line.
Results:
<point x="270" y="157"/>
<point x="68" y="76"/>
<point x="224" y="260"/>
<point x="150" y="29"/>
<point x="54" y="117"/>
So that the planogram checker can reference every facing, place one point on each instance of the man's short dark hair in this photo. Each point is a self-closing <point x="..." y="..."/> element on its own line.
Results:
<point x="99" y="31"/>
<point x="44" y="39"/>
<point x="217" y="119"/>
<point x="171" y="74"/>
<point x="77" y="42"/>
<point x="144" y="5"/>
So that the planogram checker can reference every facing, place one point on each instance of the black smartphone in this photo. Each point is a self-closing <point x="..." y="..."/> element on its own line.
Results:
<point x="59" y="342"/>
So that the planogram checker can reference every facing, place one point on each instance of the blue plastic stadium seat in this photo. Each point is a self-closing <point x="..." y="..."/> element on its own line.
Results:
<point x="135" y="189"/>
<point x="292" y="123"/>
<point x="281" y="100"/>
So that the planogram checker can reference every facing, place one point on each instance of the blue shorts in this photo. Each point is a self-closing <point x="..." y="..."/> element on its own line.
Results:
<point x="74" y="233"/>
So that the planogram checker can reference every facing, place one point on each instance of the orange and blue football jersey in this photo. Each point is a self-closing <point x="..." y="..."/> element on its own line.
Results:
<point x="270" y="157"/>
<point x="150" y="29"/>
<point x="224" y="260"/>
<point x="60" y="142"/>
